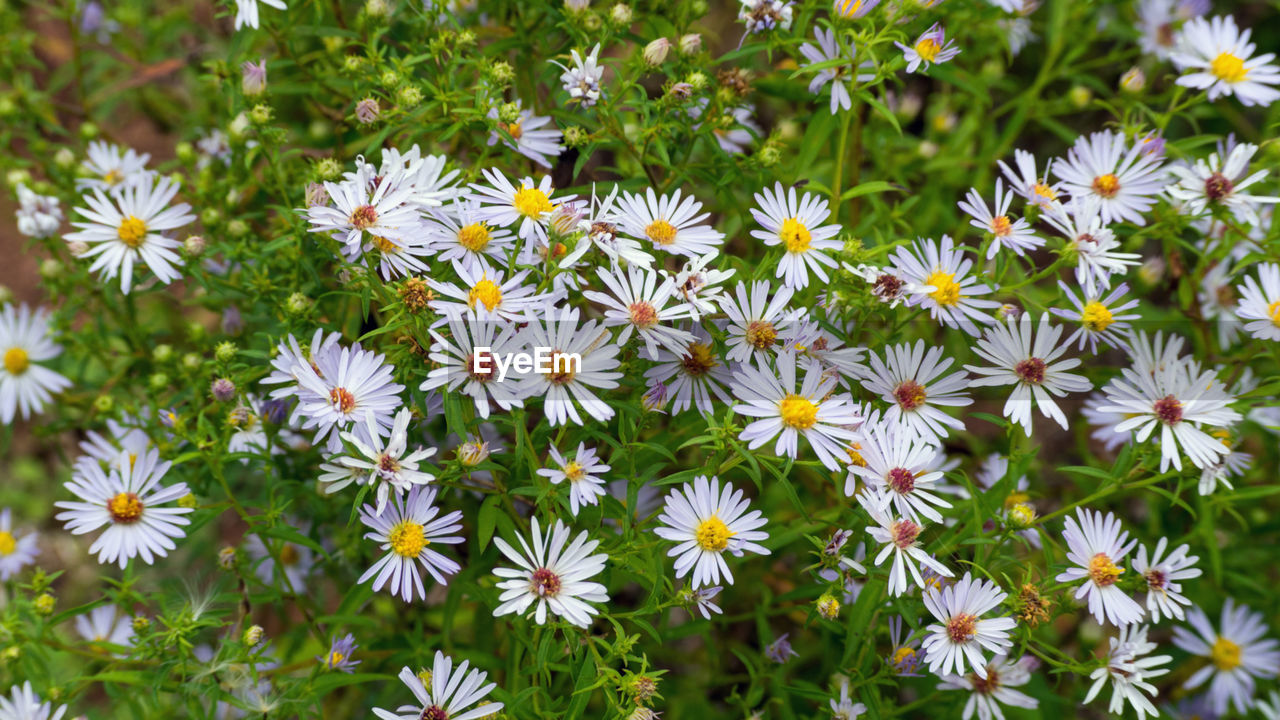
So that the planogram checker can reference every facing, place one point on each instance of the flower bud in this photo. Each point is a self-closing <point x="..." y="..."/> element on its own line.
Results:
<point x="162" y="353"/>
<point x="297" y="304"/>
<point x="104" y="404"/>
<point x="1080" y="96"/>
<point x="77" y="248"/>
<point x="194" y="245"/>
<point x="367" y="111"/>
<point x="576" y="6"/>
<point x="409" y="97"/>
<point x="141" y="624"/>
<point x="1134" y="80"/>
<point x="260" y="114"/>
<point x="690" y="44"/>
<point x="189" y="501"/>
<point x="473" y="452"/>
<point x="64" y="158"/>
<point x="225" y="351"/>
<point x="253" y="78"/>
<point x="227" y="558"/>
<point x="223" y="389"/>
<point x="253" y="635"/>
<point x="45" y="604"/>
<point x="50" y="269"/>
<point x="158" y="381"/>
<point x="185" y="151"/>
<point x="191" y="362"/>
<point x="620" y="14"/>
<point x="655" y="53"/>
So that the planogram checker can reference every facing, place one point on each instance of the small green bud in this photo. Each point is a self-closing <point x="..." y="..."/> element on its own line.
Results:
<point x="162" y="353"/>
<point x="328" y="168"/>
<point x="297" y="304"/>
<point x="64" y="158"/>
<point x="141" y="624"/>
<point x="104" y="404"/>
<point x="253" y="635"/>
<point x="1080" y="96"/>
<point x="158" y="381"/>
<point x="211" y="216"/>
<point x="409" y="97"/>
<point x="50" y="269"/>
<point x="185" y="151"/>
<point x="88" y="131"/>
<point x="238" y="228"/>
<point x="191" y="362"/>
<point x="225" y="351"/>
<point x="45" y="604"/>
<point x="260" y="114"/>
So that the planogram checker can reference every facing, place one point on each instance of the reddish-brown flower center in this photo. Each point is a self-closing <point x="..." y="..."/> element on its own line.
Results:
<point x="904" y="533"/>
<point x="342" y="399"/>
<point x="364" y="217"/>
<point x="643" y="314"/>
<point x="910" y="395"/>
<point x="125" y="508"/>
<point x="901" y="480"/>
<point x="961" y="628"/>
<point x="433" y="712"/>
<point x="1217" y="186"/>
<point x="545" y="582"/>
<point x="1168" y="410"/>
<point x="1030" y="371"/>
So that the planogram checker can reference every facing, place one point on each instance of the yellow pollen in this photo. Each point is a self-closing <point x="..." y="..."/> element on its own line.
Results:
<point x="1273" y="310"/>
<point x="7" y="543"/>
<point x="113" y="178"/>
<point x="1015" y="498"/>
<point x="125" y="508"/>
<point x="1225" y="654"/>
<point x="1223" y="435"/>
<point x="342" y="399"/>
<point x="515" y="129"/>
<point x="335" y="658"/>
<point x="1001" y="227"/>
<point x="1096" y="317"/>
<point x="855" y="457"/>
<point x="661" y="232"/>
<point x="928" y="49"/>
<point x="795" y="235"/>
<point x="761" y="334"/>
<point x="16" y="361"/>
<point x="961" y="628"/>
<point x="1228" y="68"/>
<point x="407" y="539"/>
<point x="699" y="361"/>
<point x="573" y="471"/>
<point x="903" y="654"/>
<point x="948" y="290"/>
<point x="385" y="246"/>
<point x="713" y="534"/>
<point x="1103" y="571"/>
<point x="474" y="237"/>
<point x="798" y="412"/>
<point x="487" y="292"/>
<point x="1044" y="191"/>
<point x="1106" y="185"/>
<point x="132" y="231"/>
<point x="532" y="202"/>
<point x="849" y="8"/>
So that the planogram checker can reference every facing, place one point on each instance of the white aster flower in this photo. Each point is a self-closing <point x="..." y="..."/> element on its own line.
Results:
<point x="1218" y="301"/>
<point x="484" y="292"/>
<point x="362" y="204"/>
<point x="1033" y="367"/>
<point x="700" y="285"/>
<point x="1129" y="666"/>
<point x="581" y="79"/>
<point x="553" y="575"/>
<point x="987" y="694"/>
<point x="846" y="708"/>
<point x="1099" y="318"/>
<point x="931" y="47"/>
<point x="456" y="234"/>
<point x="108" y="167"/>
<point x="827" y="50"/>
<point x="105" y="624"/>
<point x="1033" y="187"/>
<point x="599" y="227"/>
<point x="668" y="222"/>
<point x="570" y="380"/>
<point x="708" y="520"/>
<point x="911" y="380"/>
<point x="1124" y="179"/>
<point x="1237" y="653"/>
<point x="1220" y="59"/>
<point x="1095" y="244"/>
<point x="1259" y="304"/>
<point x="25" y="385"/>
<point x="901" y="467"/>
<point x="797" y="227"/>
<point x="963" y="633"/>
<point x="341" y="387"/>
<point x="938" y="279"/>
<point x="764" y="15"/>
<point x="581" y="472"/>
<point x="38" y="215"/>
<point x="693" y="375"/>
<point x="127" y="499"/>
<point x="755" y="321"/>
<point x="389" y="466"/>
<point x="452" y="691"/>
<point x="1218" y="182"/>
<point x="638" y="301"/>
<point x="1096" y="546"/>
<point x="786" y="412"/>
<point x="247" y="11"/>
<point x="1017" y="235"/>
<point x="16" y="551"/>
<point x="527" y="207"/>
<point x="900" y="537"/>
<point x="127" y="226"/>
<point x="430" y="185"/>
<point x="406" y="529"/>
<point x="463" y="360"/>
<point x="530" y="136"/>
<point x="24" y="704"/>
<point x="1164" y="575"/>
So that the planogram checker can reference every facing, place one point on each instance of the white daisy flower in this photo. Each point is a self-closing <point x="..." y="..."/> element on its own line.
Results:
<point x="1158" y="23"/>
<point x="1218" y="302"/>
<point x="700" y="285"/>
<point x="457" y="235"/>
<point x="25" y="385"/>
<point x="582" y="79"/>
<point x="900" y="537"/>
<point x="900" y="467"/>
<point x="532" y="138"/>
<point x="911" y="380"/>
<point x="1174" y="396"/>
<point x="361" y="204"/>
<point x="247" y="11"/>
<point x="708" y="520"/>
<point x="937" y="276"/>
<point x="429" y="183"/>
<point x="287" y="362"/>
<point x="126" y="227"/>
<point x="344" y="387"/>
<point x="406" y="529"/>
<point x="553" y="575"/>
<point x="828" y="50"/>
<point x="16" y="551"/>
<point x="987" y="694"/>
<point x="693" y="376"/>
<point x="105" y="624"/>
<point x="755" y="321"/>
<point x="1218" y="182"/>
<point x="108" y="167"/>
<point x="599" y="227"/>
<point x="963" y="633"/>
<point x="24" y="704"/>
<point x="764" y="15"/>
<point x="1220" y="59"/>
<point x="388" y="466"/>
<point x="463" y="360"/>
<point x="1096" y="546"/>
<point x="672" y="225"/>
<point x="38" y="215"/>
<point x="846" y="708"/>
<point x="127" y="499"/>
<point x="396" y="258"/>
<point x="1163" y="575"/>
<point x="1233" y="464"/>
<point x="1125" y="180"/>
<point x="1237" y="654"/>
<point x="788" y="413"/>
<point x="570" y="380"/>
<point x="1017" y="235"/>
<point x="528" y="207"/>
<point x="295" y="563"/>
<point x="484" y="292"/>
<point x="1099" y="318"/>
<point x="1129" y="666"/>
<point x="1032" y="367"/>
<point x="1031" y="186"/>
<point x="798" y="228"/>
<point x="452" y="692"/>
<point x="638" y="301"/>
<point x="931" y="47"/>
<point x="582" y="473"/>
<point x="1259" y="304"/>
<point x="1095" y="245"/>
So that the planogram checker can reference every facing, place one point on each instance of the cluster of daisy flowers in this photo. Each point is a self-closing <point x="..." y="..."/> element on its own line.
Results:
<point x="632" y="296"/>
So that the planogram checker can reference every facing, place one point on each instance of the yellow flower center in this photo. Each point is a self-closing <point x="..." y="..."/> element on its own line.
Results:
<point x="532" y="202"/>
<point x="1273" y="310"/>
<point x="855" y="456"/>
<point x="761" y="334"/>
<point x="574" y="471"/>
<point x="961" y="628"/>
<point x="798" y="412"/>
<point x="1001" y="226"/>
<point x="487" y="292"/>
<point x="385" y="246"/>
<point x="849" y="8"/>
<point x="407" y="539"/>
<point x="1022" y="515"/>
<point x="928" y="49"/>
<point x="699" y="361"/>
<point x="1225" y="654"/>
<point x="1228" y="68"/>
<point x="132" y="231"/>
<point x="113" y="178"/>
<point x="1096" y="317"/>
<point x="336" y="658"/>
<point x="1103" y="571"/>
<point x="16" y="361"/>
<point x="342" y="400"/>
<point x="795" y="235"/>
<point x="474" y="237"/>
<point x="125" y="508"/>
<point x="1044" y="191"/>
<point x="903" y="654"/>
<point x="713" y="534"/>
<point x="8" y="543"/>
<point x="661" y="232"/>
<point x="947" y="290"/>
<point x="515" y="129"/>
<point x="1106" y="185"/>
